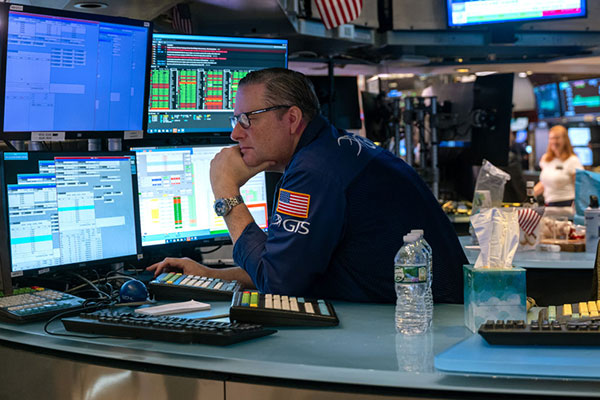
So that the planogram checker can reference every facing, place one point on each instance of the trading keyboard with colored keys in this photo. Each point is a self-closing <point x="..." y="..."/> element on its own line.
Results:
<point x="278" y="310"/>
<point x="36" y="303"/>
<point x="582" y="311"/>
<point x="541" y="332"/>
<point x="177" y="286"/>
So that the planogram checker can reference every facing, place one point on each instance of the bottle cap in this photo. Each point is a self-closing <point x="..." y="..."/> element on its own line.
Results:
<point x="593" y="201"/>
<point x="408" y="238"/>
<point x="420" y="232"/>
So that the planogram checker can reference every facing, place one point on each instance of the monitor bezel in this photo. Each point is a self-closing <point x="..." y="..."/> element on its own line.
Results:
<point x="6" y="8"/>
<point x="511" y="22"/>
<point x="5" y="248"/>
<point x="160" y="248"/>
<point x="216" y="39"/>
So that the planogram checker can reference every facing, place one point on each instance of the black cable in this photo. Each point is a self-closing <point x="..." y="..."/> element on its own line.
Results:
<point x="10" y="146"/>
<point x="211" y="250"/>
<point x="85" y="307"/>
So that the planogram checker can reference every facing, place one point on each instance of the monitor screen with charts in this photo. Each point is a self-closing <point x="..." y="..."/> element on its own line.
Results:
<point x="194" y="79"/>
<point x="176" y="199"/>
<point x="67" y="209"/>
<point x="580" y="97"/>
<point x="82" y="74"/>
<point x="547" y="101"/>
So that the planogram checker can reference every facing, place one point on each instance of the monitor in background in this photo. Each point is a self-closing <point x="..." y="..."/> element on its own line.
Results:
<point x="519" y="123"/>
<point x="176" y="200"/>
<point x="194" y="79"/>
<point x="580" y="97"/>
<point x="579" y="135"/>
<point x="77" y="73"/>
<point x="377" y="115"/>
<point x="475" y="12"/>
<point x="585" y="155"/>
<point x="67" y="210"/>
<point x="342" y="108"/>
<point x="547" y="101"/>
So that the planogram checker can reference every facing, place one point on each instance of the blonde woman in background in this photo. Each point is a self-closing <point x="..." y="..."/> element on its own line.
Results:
<point x="557" y="179"/>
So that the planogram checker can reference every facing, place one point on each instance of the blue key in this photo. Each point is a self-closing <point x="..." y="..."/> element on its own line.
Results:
<point x="323" y="307"/>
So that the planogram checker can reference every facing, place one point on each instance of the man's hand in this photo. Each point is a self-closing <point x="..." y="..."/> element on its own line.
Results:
<point x="184" y="265"/>
<point x="228" y="172"/>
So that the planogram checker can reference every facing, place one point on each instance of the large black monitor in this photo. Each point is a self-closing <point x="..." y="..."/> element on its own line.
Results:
<point x="176" y="200"/>
<point x="81" y="74"/>
<point x="580" y="97"/>
<point x="194" y="79"/>
<point x="547" y="101"/>
<point x="476" y="12"/>
<point x="67" y="210"/>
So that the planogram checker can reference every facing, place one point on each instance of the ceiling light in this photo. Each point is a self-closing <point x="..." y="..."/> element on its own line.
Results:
<point x="522" y="74"/>
<point x="485" y="73"/>
<point x="462" y="70"/>
<point x="90" y="5"/>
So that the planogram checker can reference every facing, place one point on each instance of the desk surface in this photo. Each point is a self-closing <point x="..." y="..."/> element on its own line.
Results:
<point x="364" y="350"/>
<point x="540" y="259"/>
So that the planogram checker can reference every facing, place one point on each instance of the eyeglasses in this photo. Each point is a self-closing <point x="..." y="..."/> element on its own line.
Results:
<point x="244" y="120"/>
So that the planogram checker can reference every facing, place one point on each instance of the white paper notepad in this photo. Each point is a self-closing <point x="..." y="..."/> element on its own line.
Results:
<point x="174" y="308"/>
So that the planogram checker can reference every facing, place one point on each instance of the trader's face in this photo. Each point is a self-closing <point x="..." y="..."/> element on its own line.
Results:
<point x="556" y="142"/>
<point x="267" y="138"/>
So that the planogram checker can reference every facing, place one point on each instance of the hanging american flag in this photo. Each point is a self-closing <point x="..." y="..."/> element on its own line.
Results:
<point x="529" y="219"/>
<point x="338" y="12"/>
<point x="181" y="18"/>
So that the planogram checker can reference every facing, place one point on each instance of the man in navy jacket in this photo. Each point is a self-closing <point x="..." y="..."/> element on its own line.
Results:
<point x="342" y="205"/>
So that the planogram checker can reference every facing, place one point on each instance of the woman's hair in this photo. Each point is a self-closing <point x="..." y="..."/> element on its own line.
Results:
<point x="286" y="87"/>
<point x="566" y="151"/>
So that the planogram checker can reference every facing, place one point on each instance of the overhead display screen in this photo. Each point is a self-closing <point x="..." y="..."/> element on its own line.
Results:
<point x="473" y="12"/>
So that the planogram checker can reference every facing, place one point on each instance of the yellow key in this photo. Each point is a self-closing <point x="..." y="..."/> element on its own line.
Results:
<point x="567" y="310"/>
<point x="592" y="306"/>
<point x="583" y="308"/>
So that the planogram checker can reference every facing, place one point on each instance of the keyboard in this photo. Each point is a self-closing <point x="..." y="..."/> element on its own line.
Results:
<point x="164" y="328"/>
<point x="276" y="310"/>
<point x="555" y="333"/>
<point x="582" y="311"/>
<point x="177" y="286"/>
<point x="36" y="303"/>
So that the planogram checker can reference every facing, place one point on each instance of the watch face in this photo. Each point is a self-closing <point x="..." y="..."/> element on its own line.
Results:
<point x="221" y="207"/>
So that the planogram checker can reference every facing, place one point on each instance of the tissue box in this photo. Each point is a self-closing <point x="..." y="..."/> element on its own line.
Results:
<point x="493" y="293"/>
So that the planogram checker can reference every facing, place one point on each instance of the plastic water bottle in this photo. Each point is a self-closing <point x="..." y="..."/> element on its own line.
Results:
<point x="592" y="225"/>
<point x="411" y="280"/>
<point x="426" y="248"/>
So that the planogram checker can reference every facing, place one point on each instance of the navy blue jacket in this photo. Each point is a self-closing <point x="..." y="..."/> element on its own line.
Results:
<point x="343" y="206"/>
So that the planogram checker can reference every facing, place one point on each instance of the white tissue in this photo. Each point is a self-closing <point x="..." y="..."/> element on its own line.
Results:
<point x="497" y="231"/>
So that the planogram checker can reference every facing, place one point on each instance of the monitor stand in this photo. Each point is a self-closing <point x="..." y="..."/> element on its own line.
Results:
<point x="5" y="281"/>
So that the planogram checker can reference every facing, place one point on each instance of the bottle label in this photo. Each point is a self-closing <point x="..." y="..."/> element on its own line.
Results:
<point x="410" y="274"/>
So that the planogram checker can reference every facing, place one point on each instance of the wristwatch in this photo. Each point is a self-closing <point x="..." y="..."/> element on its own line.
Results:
<point x="223" y="206"/>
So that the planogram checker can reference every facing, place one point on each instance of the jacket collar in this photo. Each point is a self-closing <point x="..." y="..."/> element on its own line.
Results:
<point x="311" y="132"/>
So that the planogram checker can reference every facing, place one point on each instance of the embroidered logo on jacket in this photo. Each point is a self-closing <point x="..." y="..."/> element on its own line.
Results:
<point x="293" y="203"/>
<point x="290" y="225"/>
<point x="359" y="140"/>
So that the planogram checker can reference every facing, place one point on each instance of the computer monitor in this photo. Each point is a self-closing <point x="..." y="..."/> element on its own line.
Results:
<point x="585" y="155"/>
<point x="547" y="101"/>
<point x="176" y="200"/>
<point x="64" y="210"/>
<point x="194" y="79"/>
<point x="81" y="74"/>
<point x="580" y="97"/>
<point x="579" y="135"/>
<point x="475" y="12"/>
<point x="342" y="107"/>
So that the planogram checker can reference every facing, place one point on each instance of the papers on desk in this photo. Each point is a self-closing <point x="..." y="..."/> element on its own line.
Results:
<point x="174" y="308"/>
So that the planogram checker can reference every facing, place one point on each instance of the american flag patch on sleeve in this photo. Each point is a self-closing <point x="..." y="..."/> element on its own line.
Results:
<point x="293" y="203"/>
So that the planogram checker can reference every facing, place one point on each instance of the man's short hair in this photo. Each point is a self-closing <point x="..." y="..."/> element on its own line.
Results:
<point x="286" y="87"/>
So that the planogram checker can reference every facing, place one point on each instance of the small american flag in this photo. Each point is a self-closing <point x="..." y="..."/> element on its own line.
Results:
<point x="181" y="18"/>
<point x="529" y="220"/>
<point x="293" y="203"/>
<point x="338" y="12"/>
